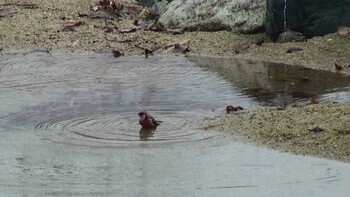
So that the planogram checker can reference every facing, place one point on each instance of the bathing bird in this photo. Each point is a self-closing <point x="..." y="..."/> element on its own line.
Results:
<point x="147" y="121"/>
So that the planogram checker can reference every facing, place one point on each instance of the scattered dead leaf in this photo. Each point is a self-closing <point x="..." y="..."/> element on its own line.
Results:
<point x="238" y="108"/>
<point x="125" y="40"/>
<point x="260" y="41"/>
<point x="175" y="31"/>
<point x="62" y="18"/>
<point x="148" y="52"/>
<point x="240" y="47"/>
<point x="80" y="14"/>
<point x="72" y="26"/>
<point x="130" y="30"/>
<point x="79" y="23"/>
<point x="106" y="27"/>
<point x="316" y="129"/>
<point x="108" y="30"/>
<point x="294" y="49"/>
<point x="339" y="66"/>
<point x="172" y="46"/>
<point x="68" y="28"/>
<point x="118" y="8"/>
<point x="117" y="53"/>
<point x="314" y="101"/>
<point x="179" y="48"/>
<point x="27" y="5"/>
<point x="136" y="22"/>
<point x="157" y="27"/>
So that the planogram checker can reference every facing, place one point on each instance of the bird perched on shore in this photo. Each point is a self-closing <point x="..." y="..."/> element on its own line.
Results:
<point x="230" y="108"/>
<point x="147" y="121"/>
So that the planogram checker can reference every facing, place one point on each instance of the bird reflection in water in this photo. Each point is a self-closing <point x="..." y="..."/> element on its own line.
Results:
<point x="145" y="133"/>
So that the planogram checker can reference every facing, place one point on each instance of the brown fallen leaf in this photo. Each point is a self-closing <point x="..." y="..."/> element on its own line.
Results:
<point x="27" y="5"/>
<point x="68" y="28"/>
<point x="175" y="31"/>
<point x="343" y="30"/>
<point x="72" y="26"/>
<point x="79" y="23"/>
<point x="119" y="8"/>
<point x="316" y="129"/>
<point x="238" y="108"/>
<point x="339" y="66"/>
<point x="128" y="30"/>
<point x="125" y="40"/>
<point x="179" y="48"/>
<point x="314" y="101"/>
<point x="157" y="27"/>
<point x="294" y="50"/>
<point x="148" y="52"/>
<point x="136" y="22"/>
<point x="117" y="53"/>
<point x="240" y="47"/>
<point x="108" y="29"/>
<point x="80" y="14"/>
<point x="260" y="41"/>
<point x="62" y="18"/>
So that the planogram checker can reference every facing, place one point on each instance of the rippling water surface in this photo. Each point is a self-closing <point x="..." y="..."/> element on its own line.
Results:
<point x="69" y="127"/>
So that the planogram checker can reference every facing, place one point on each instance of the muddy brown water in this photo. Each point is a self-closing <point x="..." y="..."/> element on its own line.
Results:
<point x="69" y="127"/>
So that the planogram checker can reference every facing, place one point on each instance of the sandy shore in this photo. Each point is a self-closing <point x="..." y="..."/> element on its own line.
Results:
<point x="23" y="28"/>
<point x="40" y="27"/>
<point x="290" y="129"/>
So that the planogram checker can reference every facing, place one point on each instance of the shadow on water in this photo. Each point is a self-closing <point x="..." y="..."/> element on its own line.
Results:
<point x="69" y="127"/>
<point x="277" y="84"/>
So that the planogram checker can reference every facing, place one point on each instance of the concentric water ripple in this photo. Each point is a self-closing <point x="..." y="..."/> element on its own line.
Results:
<point x="93" y="99"/>
<point x="119" y="129"/>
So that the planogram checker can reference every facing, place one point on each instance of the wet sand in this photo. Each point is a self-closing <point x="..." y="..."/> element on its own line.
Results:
<point x="290" y="129"/>
<point x="40" y="28"/>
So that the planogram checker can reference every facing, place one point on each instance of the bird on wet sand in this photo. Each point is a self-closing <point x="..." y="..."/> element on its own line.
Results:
<point x="147" y="121"/>
<point x="230" y="109"/>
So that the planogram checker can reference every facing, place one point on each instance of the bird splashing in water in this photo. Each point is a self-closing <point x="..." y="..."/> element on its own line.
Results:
<point x="147" y="121"/>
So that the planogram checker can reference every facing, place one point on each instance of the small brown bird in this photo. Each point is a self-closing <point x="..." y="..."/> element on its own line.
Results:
<point x="147" y="121"/>
<point x="230" y="108"/>
<point x="238" y="108"/>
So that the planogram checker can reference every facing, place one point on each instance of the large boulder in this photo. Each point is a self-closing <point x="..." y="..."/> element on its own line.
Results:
<point x="212" y="15"/>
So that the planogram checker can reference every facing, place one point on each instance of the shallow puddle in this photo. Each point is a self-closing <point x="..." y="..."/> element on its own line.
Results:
<point x="69" y="127"/>
<point x="279" y="85"/>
